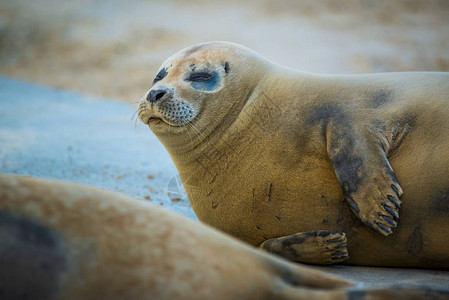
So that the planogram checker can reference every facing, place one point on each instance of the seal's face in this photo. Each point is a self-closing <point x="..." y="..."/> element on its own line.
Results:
<point x="179" y="90"/>
<point x="199" y="92"/>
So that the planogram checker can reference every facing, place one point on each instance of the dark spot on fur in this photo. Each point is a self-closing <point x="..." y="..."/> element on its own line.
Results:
<point x="270" y="191"/>
<point x="414" y="242"/>
<point x="326" y="113"/>
<point x="283" y="246"/>
<point x="278" y="218"/>
<point x="31" y="257"/>
<point x="214" y="205"/>
<point x="294" y="239"/>
<point x="254" y="199"/>
<point x="325" y="222"/>
<point x="289" y="276"/>
<point x="346" y="163"/>
<point x="320" y="233"/>
<point x="440" y="204"/>
<point x="346" y="166"/>
<point x="356" y="295"/>
<point x="226" y="67"/>
<point x="381" y="97"/>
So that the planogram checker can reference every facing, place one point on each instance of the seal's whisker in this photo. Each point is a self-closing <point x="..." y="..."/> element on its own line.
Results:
<point x="135" y="102"/>
<point x="133" y="119"/>
<point x="196" y="131"/>
<point x="138" y="128"/>
<point x="135" y="114"/>
<point x="200" y="134"/>
<point x="204" y="139"/>
<point x="170" y="127"/>
<point x="190" y="135"/>
<point x="135" y="124"/>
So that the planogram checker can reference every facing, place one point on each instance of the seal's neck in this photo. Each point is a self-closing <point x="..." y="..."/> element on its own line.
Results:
<point x="202" y="140"/>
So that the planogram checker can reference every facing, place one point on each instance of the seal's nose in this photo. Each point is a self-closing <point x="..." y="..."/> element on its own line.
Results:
<point x="155" y="95"/>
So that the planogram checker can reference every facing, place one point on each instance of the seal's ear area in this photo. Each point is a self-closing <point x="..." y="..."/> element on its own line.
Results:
<point x="226" y="67"/>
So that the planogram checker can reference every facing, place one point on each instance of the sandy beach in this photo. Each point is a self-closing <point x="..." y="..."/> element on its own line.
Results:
<point x="113" y="48"/>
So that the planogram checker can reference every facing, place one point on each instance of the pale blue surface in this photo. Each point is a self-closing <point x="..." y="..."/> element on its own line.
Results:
<point x="60" y="134"/>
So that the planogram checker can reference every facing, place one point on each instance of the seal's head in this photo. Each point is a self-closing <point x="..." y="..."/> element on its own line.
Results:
<point x="199" y="88"/>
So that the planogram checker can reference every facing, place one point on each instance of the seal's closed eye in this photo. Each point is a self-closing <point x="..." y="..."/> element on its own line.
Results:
<point x="204" y="81"/>
<point x="200" y="76"/>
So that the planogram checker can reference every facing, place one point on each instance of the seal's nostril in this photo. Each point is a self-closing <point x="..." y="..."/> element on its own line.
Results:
<point x="155" y="95"/>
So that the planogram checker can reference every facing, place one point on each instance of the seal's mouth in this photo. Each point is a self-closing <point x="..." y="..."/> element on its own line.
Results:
<point x="156" y="120"/>
<point x="153" y="119"/>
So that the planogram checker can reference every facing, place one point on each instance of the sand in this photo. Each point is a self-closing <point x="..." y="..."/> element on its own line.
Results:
<point x="113" y="48"/>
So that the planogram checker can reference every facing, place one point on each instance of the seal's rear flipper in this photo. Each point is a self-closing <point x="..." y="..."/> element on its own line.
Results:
<point x="313" y="247"/>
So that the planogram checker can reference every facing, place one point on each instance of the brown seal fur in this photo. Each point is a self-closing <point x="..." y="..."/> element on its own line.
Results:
<point x="67" y="241"/>
<point x="266" y="152"/>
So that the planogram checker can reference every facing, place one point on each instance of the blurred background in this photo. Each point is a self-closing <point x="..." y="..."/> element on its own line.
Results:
<point x="113" y="48"/>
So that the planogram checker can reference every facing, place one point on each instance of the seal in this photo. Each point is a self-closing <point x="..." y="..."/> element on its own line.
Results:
<point x="269" y="154"/>
<point x="66" y="241"/>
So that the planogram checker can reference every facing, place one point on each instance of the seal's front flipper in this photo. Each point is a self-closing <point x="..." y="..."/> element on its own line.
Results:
<point x="365" y="175"/>
<point x="313" y="247"/>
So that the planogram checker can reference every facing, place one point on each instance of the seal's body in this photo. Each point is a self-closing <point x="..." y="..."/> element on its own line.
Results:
<point x="67" y="241"/>
<point x="266" y="152"/>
